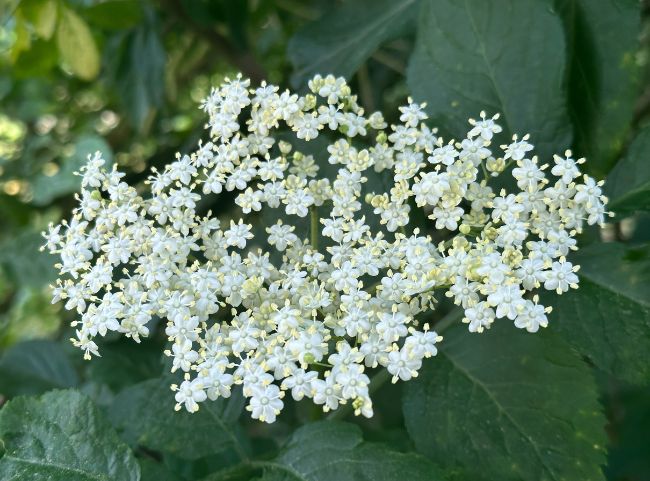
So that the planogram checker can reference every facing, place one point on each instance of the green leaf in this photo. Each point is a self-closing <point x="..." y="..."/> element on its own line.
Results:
<point x="137" y="70"/>
<point x="45" y="189"/>
<point x="29" y="315"/>
<point x="125" y="362"/>
<point x="338" y="43"/>
<point x="76" y="44"/>
<point x="629" y="453"/>
<point x="604" y="75"/>
<point x="23" y="39"/>
<point x="628" y="184"/>
<point x="41" y="14"/>
<point x="27" y="266"/>
<point x="153" y="471"/>
<point x="114" y="14"/>
<point x="6" y="84"/>
<point x="38" y="60"/>
<point x="144" y="415"/>
<point x="328" y="450"/>
<point x="508" y="405"/>
<point x="61" y="436"/>
<point x="32" y="367"/>
<point x="502" y="56"/>
<point x="608" y="317"/>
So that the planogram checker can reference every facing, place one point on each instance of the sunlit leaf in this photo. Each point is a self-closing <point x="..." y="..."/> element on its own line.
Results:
<point x="114" y="14"/>
<point x="41" y="14"/>
<point x="76" y="45"/>
<point x="325" y="451"/>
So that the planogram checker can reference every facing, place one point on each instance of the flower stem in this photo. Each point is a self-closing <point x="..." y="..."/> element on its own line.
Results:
<point x="313" y="213"/>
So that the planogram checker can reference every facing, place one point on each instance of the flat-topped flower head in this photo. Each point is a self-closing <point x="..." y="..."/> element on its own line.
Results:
<point x="329" y="258"/>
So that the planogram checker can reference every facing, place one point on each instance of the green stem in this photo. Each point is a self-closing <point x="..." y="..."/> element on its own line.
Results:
<point x="486" y="174"/>
<point x="313" y="213"/>
<point x="321" y="364"/>
<point x="456" y="314"/>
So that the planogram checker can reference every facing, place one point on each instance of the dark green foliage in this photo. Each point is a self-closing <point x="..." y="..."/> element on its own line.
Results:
<point x="628" y="184"/>
<point x="498" y="403"/>
<point x="602" y="39"/>
<point x="125" y="77"/>
<point x="329" y="450"/>
<point x="611" y="308"/>
<point x="33" y="367"/>
<point x="505" y="56"/>
<point x="61" y="436"/>
<point x="338" y="43"/>
<point x="144" y="415"/>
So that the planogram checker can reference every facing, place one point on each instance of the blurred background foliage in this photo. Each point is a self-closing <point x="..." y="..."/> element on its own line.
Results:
<point x="125" y="77"/>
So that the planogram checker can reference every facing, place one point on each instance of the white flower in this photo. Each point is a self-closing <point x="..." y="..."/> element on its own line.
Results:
<point x="485" y="128"/>
<point x="327" y="392"/>
<point x="250" y="200"/>
<point x="217" y="383"/>
<point x="561" y="277"/>
<point x="430" y="188"/>
<point x="412" y="114"/>
<point x="300" y="383"/>
<point x="298" y="202"/>
<point x="344" y="279"/>
<point x="464" y="292"/>
<point x="308" y="348"/>
<point x="184" y="356"/>
<point x="447" y="218"/>
<point x="517" y="149"/>
<point x="479" y="317"/>
<point x="507" y="300"/>
<point x="531" y="273"/>
<point x="565" y="167"/>
<point x="238" y="234"/>
<point x="532" y="317"/>
<point x="353" y="382"/>
<point x="266" y="403"/>
<point x="403" y="365"/>
<point x="422" y="343"/>
<point x="392" y="326"/>
<point x="528" y="174"/>
<point x="189" y="394"/>
<point x="281" y="235"/>
<point x="184" y="328"/>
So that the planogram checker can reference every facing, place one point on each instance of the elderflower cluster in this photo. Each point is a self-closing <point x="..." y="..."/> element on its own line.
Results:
<point x="342" y="283"/>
